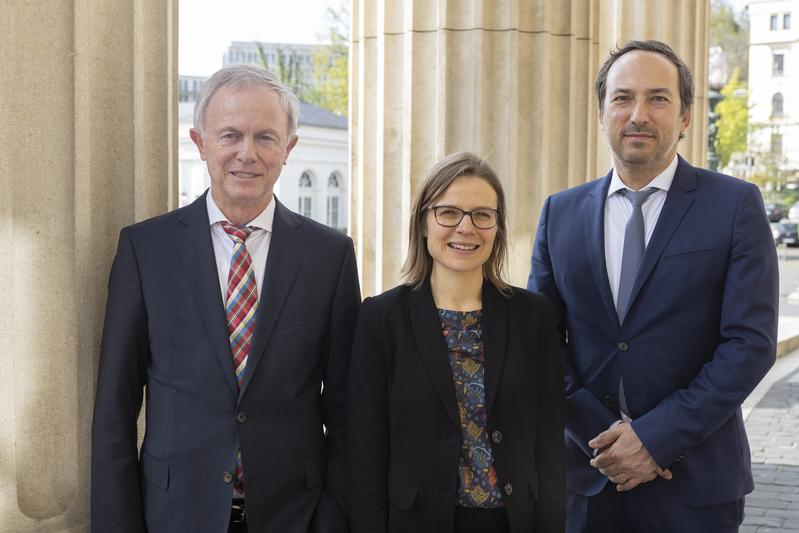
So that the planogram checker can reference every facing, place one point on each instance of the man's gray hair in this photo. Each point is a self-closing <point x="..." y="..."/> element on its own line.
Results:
<point x="239" y="76"/>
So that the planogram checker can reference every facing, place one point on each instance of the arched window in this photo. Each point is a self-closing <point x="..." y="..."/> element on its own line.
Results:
<point x="333" y="191"/>
<point x="306" y="180"/>
<point x="776" y="105"/>
<point x="334" y="181"/>
<point x="305" y="194"/>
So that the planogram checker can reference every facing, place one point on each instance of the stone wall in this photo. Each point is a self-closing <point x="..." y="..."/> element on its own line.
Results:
<point x="510" y="80"/>
<point x="87" y="145"/>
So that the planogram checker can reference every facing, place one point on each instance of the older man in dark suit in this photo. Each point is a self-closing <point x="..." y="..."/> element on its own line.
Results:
<point x="231" y="313"/>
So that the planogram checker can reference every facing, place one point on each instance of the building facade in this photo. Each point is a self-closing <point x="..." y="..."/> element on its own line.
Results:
<point x="774" y="85"/>
<point x="315" y="180"/>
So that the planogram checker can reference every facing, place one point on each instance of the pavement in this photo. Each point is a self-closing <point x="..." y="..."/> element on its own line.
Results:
<point x="772" y="421"/>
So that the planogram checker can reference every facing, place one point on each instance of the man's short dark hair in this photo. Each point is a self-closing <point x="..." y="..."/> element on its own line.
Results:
<point x="686" y="79"/>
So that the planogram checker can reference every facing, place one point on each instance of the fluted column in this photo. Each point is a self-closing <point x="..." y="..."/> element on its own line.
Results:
<point x="87" y="145"/>
<point x="509" y="80"/>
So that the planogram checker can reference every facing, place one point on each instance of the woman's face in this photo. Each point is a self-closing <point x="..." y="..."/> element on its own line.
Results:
<point x="463" y="248"/>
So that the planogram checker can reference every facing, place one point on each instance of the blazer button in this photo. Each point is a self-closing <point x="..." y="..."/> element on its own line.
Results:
<point x="610" y="402"/>
<point x="241" y="417"/>
<point x="227" y="477"/>
<point x="508" y="488"/>
<point x="496" y="436"/>
<point x="623" y="346"/>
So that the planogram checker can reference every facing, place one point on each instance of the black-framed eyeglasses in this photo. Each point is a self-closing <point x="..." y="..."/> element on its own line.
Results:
<point x="450" y="216"/>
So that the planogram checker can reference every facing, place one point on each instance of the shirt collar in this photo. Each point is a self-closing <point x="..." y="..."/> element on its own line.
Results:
<point x="263" y="220"/>
<point x="661" y="181"/>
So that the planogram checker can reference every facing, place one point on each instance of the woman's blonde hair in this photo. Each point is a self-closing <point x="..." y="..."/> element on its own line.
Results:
<point x="418" y="263"/>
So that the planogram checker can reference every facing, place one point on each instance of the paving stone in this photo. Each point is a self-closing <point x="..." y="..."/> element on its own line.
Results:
<point x="763" y="521"/>
<point x="774" y="442"/>
<point x="754" y="500"/>
<point x="783" y="513"/>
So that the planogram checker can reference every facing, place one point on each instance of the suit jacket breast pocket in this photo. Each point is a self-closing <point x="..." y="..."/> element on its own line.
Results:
<point x="696" y="255"/>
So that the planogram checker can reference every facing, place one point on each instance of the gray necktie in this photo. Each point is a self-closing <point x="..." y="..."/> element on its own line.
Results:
<point x="634" y="247"/>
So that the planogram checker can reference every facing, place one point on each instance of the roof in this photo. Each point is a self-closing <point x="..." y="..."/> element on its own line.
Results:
<point x="311" y="115"/>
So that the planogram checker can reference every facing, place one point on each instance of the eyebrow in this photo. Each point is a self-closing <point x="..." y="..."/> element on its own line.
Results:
<point x="655" y="90"/>
<point x="475" y="209"/>
<point x="231" y="129"/>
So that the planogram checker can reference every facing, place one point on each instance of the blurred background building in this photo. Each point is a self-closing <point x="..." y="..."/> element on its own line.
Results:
<point x="774" y="88"/>
<point x="314" y="182"/>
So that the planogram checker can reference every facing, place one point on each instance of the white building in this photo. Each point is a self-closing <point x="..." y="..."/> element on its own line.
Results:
<point x="246" y="53"/>
<point x="774" y="80"/>
<point x="315" y="180"/>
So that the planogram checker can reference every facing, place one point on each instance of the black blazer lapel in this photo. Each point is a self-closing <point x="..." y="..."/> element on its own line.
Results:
<point x="495" y="336"/>
<point x="594" y="217"/>
<point x="430" y="342"/>
<point x="285" y="251"/>
<point x="199" y="263"/>
<point x="678" y="200"/>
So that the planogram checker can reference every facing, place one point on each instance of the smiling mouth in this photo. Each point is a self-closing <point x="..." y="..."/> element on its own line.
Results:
<point x="245" y="175"/>
<point x="463" y="247"/>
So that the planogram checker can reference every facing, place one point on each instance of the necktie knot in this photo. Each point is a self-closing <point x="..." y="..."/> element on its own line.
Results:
<point x="637" y="198"/>
<point x="236" y="232"/>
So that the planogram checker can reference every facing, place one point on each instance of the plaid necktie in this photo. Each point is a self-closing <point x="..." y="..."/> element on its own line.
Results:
<point x="240" y="306"/>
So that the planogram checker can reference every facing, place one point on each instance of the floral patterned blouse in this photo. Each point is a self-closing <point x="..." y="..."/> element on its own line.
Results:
<point x="477" y="479"/>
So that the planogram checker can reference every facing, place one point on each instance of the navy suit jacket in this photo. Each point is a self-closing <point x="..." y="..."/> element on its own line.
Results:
<point x="165" y="332"/>
<point x="700" y="332"/>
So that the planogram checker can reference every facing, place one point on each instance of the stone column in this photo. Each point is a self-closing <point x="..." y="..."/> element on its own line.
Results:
<point x="88" y="106"/>
<point x="509" y="80"/>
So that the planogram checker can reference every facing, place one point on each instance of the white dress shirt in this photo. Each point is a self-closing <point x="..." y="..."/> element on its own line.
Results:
<point x="257" y="243"/>
<point x="618" y="209"/>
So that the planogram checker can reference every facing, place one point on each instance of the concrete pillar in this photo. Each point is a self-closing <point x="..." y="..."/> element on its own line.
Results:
<point x="88" y="108"/>
<point x="510" y="80"/>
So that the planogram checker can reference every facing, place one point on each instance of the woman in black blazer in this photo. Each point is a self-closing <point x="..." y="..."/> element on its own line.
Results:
<point x="456" y="386"/>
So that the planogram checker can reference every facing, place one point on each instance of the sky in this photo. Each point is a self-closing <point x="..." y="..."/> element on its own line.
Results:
<point x="737" y="5"/>
<point x="207" y="27"/>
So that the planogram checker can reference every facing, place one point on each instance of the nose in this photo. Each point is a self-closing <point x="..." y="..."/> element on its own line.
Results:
<point x="246" y="153"/>
<point x="466" y="225"/>
<point x="639" y="113"/>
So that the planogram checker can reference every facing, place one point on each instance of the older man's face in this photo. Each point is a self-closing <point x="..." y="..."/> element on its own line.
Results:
<point x="642" y="115"/>
<point x="245" y="145"/>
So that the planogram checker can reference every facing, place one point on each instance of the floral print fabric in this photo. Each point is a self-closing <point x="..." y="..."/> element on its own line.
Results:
<point x="477" y="479"/>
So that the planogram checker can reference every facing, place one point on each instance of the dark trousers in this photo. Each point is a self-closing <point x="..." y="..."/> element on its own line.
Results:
<point x="238" y="516"/>
<point x="238" y="528"/>
<point x="469" y="520"/>
<point x="648" y="508"/>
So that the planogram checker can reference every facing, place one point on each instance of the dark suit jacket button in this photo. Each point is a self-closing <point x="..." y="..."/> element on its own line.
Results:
<point x="610" y="402"/>
<point x="496" y="436"/>
<point x="241" y="417"/>
<point x="623" y="346"/>
<point x="227" y="477"/>
<point x="508" y="488"/>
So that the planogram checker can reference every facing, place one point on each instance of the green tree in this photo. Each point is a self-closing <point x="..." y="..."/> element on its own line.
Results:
<point x="731" y="33"/>
<point x="330" y="86"/>
<point x="326" y="82"/>
<point x="288" y="67"/>
<point x="732" y="125"/>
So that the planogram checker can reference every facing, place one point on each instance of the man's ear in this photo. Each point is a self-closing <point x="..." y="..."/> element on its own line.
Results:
<point x="290" y="146"/>
<point x="686" y="119"/>
<point x="197" y="139"/>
